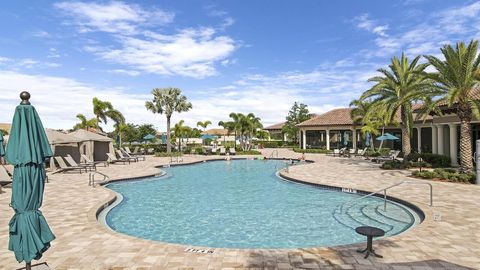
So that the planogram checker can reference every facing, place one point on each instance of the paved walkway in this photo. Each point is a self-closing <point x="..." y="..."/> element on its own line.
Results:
<point x="82" y="243"/>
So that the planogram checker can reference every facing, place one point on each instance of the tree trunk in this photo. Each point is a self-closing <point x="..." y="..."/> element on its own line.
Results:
<point x="169" y="146"/>
<point x="465" y="115"/>
<point x="406" y="148"/>
<point x="381" y="142"/>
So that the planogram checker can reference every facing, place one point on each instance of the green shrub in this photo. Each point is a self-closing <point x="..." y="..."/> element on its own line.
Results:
<point x="312" y="151"/>
<point x="437" y="161"/>
<point x="451" y="175"/>
<point x="422" y="164"/>
<point x="394" y="165"/>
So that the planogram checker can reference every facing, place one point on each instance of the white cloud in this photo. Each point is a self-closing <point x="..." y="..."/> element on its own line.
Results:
<point x="364" y="22"/>
<point x="132" y="73"/>
<point x="113" y="17"/>
<point x="26" y="63"/>
<point x="190" y="52"/>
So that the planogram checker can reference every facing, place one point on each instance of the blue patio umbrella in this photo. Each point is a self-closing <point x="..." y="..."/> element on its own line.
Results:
<point x="27" y="150"/>
<point x="367" y="139"/>
<point x="208" y="137"/>
<point x="345" y="139"/>
<point x="149" y="137"/>
<point x="163" y="137"/>
<point x="387" y="137"/>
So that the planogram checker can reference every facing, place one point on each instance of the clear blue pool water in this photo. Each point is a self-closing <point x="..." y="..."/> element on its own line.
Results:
<point x="243" y="204"/>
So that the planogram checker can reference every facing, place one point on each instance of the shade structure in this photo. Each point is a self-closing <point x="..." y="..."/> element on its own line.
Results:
<point x="387" y="137"/>
<point x="2" y="149"/>
<point x="149" y="137"/>
<point x="27" y="150"/>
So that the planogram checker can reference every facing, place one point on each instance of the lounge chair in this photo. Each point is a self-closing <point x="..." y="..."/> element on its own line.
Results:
<point x="5" y="178"/>
<point x="90" y="162"/>
<point x="131" y="155"/>
<point x="361" y="152"/>
<point x="336" y="152"/>
<point x="351" y="152"/>
<point x="73" y="163"/>
<point x="343" y="151"/>
<point x="223" y="151"/>
<point x="232" y="151"/>
<point x="136" y="151"/>
<point x="204" y="151"/>
<point x="113" y="159"/>
<point x="392" y="156"/>
<point x="65" y="168"/>
<point x="214" y="151"/>
<point x="121" y="156"/>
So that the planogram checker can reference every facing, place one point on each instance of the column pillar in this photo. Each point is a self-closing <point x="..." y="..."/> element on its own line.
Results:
<point x="440" y="140"/>
<point x="354" y="139"/>
<point x="304" y="139"/>
<point x="434" y="140"/>
<point x="328" y="139"/>
<point x="419" y="139"/>
<point x="300" y="138"/>
<point x="284" y="137"/>
<point x="453" y="143"/>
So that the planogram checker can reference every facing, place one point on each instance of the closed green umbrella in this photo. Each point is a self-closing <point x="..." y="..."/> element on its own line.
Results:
<point x="27" y="150"/>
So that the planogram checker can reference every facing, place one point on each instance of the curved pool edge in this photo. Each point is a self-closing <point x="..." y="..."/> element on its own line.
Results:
<point x="95" y="211"/>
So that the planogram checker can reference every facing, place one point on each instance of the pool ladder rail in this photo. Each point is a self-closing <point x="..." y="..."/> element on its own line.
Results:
<point x="384" y="191"/>
<point x="91" y="178"/>
<point x="274" y="152"/>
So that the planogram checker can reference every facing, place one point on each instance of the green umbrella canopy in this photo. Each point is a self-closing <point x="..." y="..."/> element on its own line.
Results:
<point x="27" y="150"/>
<point x="2" y="150"/>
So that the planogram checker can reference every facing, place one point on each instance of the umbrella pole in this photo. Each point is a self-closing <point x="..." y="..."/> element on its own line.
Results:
<point x="28" y="266"/>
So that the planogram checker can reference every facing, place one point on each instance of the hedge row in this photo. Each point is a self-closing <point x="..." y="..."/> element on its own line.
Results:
<point x="446" y="174"/>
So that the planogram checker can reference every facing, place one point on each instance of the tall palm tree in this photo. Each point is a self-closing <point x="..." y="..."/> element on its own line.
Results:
<point x="99" y="110"/>
<point x="119" y="120"/>
<point x="179" y="130"/>
<point x="204" y="124"/>
<point x="456" y="80"/>
<point x="167" y="101"/>
<point x="245" y="126"/>
<point x="230" y="127"/>
<point x="397" y="89"/>
<point x="85" y="123"/>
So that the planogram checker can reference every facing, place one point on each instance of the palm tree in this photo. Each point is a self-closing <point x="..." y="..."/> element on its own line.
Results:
<point x="99" y="110"/>
<point x="456" y="80"/>
<point x="180" y="131"/>
<point x="246" y="127"/>
<point x="397" y="89"/>
<point x="119" y="120"/>
<point x="84" y="123"/>
<point x="167" y="101"/>
<point x="203" y="124"/>
<point x="230" y="127"/>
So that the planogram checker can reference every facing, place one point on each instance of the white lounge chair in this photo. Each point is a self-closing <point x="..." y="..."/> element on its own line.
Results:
<point x="223" y="151"/>
<point x="361" y="152"/>
<point x="73" y="163"/>
<point x="130" y="155"/>
<point x="5" y="178"/>
<point x="121" y="156"/>
<point x="90" y="162"/>
<point x="113" y="159"/>
<point x="65" y="168"/>
<point x="336" y="152"/>
<point x="393" y="156"/>
<point x="232" y="151"/>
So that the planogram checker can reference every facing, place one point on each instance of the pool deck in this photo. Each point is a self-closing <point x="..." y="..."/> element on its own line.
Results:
<point x="70" y="206"/>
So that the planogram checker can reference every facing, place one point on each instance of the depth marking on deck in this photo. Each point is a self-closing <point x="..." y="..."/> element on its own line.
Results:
<point x="196" y="250"/>
<point x="349" y="190"/>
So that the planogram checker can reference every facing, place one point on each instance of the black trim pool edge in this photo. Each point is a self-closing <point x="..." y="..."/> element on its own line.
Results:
<point x="416" y="209"/>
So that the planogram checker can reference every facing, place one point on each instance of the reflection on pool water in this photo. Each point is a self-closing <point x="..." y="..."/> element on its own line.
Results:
<point x="243" y="204"/>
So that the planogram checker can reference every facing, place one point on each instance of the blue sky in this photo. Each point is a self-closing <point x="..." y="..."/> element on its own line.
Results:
<point x="227" y="56"/>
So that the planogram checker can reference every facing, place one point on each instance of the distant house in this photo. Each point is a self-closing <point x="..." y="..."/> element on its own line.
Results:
<point x="275" y="132"/>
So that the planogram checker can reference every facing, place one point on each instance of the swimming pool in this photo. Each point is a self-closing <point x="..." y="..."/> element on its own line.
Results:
<point x="244" y="204"/>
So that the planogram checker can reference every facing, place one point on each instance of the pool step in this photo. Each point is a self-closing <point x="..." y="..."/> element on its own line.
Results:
<point x="393" y="221"/>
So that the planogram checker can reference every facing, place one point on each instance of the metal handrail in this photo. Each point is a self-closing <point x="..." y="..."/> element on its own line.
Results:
<point x="91" y="178"/>
<point x="274" y="151"/>
<point x="385" y="194"/>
